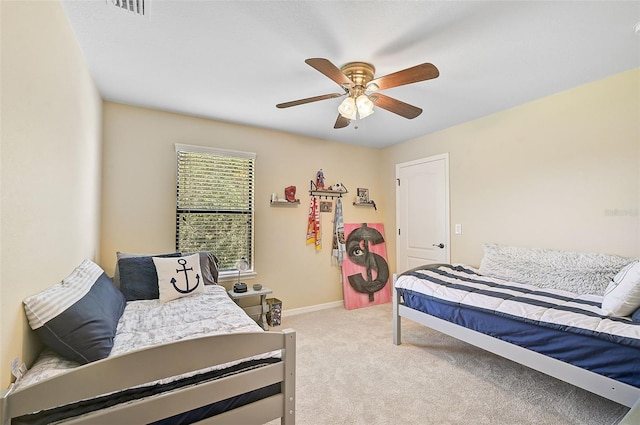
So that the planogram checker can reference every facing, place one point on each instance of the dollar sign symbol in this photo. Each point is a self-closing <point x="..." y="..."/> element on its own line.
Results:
<point x="357" y="247"/>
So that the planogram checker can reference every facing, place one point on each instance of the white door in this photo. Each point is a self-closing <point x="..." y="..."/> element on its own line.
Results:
<point x="422" y="212"/>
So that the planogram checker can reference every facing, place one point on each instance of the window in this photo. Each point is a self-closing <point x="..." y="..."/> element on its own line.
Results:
<point x="214" y="203"/>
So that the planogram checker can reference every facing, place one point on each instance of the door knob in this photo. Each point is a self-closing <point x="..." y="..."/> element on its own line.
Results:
<point x="440" y="245"/>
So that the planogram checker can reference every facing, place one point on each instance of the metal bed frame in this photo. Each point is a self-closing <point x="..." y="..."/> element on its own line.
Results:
<point x="619" y="392"/>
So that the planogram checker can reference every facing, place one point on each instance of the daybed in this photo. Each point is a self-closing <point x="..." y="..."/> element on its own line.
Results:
<point x="197" y="357"/>
<point x="563" y="333"/>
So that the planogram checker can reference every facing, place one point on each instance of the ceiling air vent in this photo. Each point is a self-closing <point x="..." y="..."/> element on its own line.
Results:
<point x="139" y="7"/>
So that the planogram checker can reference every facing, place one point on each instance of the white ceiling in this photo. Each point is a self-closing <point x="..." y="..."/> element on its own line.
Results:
<point x="235" y="60"/>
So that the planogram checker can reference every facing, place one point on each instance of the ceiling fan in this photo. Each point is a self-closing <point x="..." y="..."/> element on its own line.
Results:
<point x="361" y="88"/>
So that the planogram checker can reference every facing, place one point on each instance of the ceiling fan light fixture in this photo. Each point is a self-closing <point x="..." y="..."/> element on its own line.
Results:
<point x="358" y="84"/>
<point x="348" y="108"/>
<point x="365" y="106"/>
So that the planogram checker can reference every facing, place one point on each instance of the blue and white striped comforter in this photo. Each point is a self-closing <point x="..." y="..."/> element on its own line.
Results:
<point x="557" y="309"/>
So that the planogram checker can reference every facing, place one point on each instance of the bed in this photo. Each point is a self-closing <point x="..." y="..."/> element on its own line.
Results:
<point x="197" y="358"/>
<point x="546" y="327"/>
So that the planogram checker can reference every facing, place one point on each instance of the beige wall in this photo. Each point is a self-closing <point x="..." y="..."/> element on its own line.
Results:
<point x="50" y="164"/>
<point x="138" y="198"/>
<point x="561" y="172"/>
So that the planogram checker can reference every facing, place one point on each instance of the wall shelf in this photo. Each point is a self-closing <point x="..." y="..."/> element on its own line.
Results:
<point x="285" y="203"/>
<point x="314" y="191"/>
<point x="366" y="204"/>
<point x="327" y="193"/>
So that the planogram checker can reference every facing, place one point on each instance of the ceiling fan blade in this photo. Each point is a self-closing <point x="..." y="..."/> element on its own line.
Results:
<point x="308" y="100"/>
<point x="422" y="72"/>
<point x="330" y="70"/>
<point x="341" y="122"/>
<point x="393" y="105"/>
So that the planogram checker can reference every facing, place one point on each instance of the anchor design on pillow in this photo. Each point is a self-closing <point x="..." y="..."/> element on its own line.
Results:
<point x="186" y="289"/>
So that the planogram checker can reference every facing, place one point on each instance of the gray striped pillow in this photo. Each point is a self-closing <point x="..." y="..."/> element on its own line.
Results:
<point x="78" y="317"/>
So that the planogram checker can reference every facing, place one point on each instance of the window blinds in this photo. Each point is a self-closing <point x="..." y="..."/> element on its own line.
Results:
<point x="214" y="203"/>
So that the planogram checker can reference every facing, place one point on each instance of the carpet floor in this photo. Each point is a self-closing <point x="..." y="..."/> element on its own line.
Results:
<point x="349" y="372"/>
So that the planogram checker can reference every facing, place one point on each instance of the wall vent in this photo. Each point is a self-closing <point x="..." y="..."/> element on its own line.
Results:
<point x="138" y="7"/>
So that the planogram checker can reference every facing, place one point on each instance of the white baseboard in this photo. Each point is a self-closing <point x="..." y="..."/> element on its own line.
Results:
<point x="311" y="308"/>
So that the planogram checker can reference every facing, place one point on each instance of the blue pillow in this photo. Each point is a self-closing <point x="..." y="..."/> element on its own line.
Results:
<point x="78" y="317"/>
<point x="635" y="317"/>
<point x="138" y="277"/>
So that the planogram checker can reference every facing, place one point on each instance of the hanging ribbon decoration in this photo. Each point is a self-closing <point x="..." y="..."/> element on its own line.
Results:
<point x="338" y="251"/>
<point x="313" y="226"/>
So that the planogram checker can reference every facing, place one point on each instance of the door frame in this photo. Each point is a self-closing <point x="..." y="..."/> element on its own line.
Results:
<point x="445" y="157"/>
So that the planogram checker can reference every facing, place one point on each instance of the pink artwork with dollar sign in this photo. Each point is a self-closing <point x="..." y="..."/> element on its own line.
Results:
<point x="365" y="271"/>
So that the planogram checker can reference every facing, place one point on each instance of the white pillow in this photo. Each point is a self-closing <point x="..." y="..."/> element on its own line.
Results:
<point x="622" y="296"/>
<point x="178" y="276"/>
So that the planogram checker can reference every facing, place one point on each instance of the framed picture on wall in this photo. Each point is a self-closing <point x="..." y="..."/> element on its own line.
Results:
<point x="363" y="195"/>
<point x="325" y="206"/>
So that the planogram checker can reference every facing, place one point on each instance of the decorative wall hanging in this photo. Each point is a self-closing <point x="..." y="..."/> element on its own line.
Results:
<point x="325" y="206"/>
<point x="338" y="248"/>
<point x="365" y="271"/>
<point x="362" y="199"/>
<point x="289" y="199"/>
<point x="313" y="225"/>
<point x="363" y="195"/>
<point x="290" y="194"/>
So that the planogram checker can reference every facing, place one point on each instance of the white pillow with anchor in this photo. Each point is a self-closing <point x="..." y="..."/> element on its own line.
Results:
<point x="178" y="277"/>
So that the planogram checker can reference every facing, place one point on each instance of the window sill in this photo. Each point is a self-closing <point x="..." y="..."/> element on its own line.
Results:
<point x="232" y="276"/>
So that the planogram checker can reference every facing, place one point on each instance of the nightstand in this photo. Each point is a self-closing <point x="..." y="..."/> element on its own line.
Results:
<point x="257" y="312"/>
